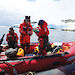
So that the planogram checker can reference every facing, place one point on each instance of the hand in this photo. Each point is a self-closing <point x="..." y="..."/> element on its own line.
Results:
<point x="29" y="29"/>
<point x="36" y="30"/>
<point x="14" y="37"/>
<point x="22" y="34"/>
<point x="7" y="40"/>
<point x="24" y="28"/>
<point x="29" y="32"/>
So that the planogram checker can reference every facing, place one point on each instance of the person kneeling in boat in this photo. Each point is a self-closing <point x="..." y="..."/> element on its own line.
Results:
<point x="25" y="30"/>
<point x="42" y="32"/>
<point x="12" y="38"/>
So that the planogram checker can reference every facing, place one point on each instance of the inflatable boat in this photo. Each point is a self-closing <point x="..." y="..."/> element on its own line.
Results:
<point x="37" y="63"/>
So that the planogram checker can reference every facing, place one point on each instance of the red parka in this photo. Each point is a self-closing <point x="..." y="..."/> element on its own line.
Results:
<point x="13" y="37"/>
<point x="25" y="33"/>
<point x="42" y="34"/>
<point x="43" y="30"/>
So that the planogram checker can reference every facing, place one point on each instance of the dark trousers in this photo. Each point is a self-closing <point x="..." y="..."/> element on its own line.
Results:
<point x="43" y="45"/>
<point x="12" y="44"/>
<point x="26" y="45"/>
<point x="44" y="42"/>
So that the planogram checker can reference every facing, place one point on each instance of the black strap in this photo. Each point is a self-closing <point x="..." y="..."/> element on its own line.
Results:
<point x="2" y="39"/>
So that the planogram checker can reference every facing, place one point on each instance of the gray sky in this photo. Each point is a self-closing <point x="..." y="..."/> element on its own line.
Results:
<point x="52" y="11"/>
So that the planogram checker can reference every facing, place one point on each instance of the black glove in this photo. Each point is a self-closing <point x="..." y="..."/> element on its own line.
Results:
<point x="14" y="37"/>
<point x="24" y="28"/>
<point x="29" y="29"/>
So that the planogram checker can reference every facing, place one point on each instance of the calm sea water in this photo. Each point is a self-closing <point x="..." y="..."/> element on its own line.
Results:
<point x="54" y="36"/>
<point x="64" y="70"/>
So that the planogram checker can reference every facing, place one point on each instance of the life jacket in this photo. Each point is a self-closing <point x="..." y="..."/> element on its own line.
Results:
<point x="43" y="30"/>
<point x="24" y="36"/>
<point x="11" y="37"/>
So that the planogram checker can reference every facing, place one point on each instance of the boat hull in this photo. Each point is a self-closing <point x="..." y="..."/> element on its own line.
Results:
<point x="38" y="63"/>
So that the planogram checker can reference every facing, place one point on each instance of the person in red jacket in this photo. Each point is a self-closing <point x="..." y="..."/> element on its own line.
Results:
<point x="12" y="38"/>
<point x="25" y="30"/>
<point x="42" y="32"/>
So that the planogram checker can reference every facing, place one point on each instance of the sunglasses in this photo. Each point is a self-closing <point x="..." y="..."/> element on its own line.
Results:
<point x="27" y="20"/>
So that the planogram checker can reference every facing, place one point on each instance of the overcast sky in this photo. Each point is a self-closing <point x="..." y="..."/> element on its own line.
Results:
<point x="52" y="11"/>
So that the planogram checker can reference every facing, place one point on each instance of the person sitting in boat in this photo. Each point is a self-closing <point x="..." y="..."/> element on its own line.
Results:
<point x="42" y="32"/>
<point x="12" y="38"/>
<point x="25" y="30"/>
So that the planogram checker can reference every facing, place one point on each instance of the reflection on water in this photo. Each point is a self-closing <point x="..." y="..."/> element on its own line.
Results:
<point x="51" y="72"/>
<point x="64" y="70"/>
<point x="68" y="69"/>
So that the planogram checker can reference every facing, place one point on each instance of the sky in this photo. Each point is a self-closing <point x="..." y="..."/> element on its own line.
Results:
<point x="52" y="11"/>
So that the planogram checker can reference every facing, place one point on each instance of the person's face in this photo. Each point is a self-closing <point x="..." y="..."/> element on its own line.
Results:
<point x="27" y="22"/>
<point x="11" y="31"/>
<point x="39" y="26"/>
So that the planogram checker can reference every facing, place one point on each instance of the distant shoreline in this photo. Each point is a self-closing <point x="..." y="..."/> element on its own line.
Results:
<point x="67" y="30"/>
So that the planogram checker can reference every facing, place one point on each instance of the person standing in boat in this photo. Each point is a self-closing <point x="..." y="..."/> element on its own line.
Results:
<point x="12" y="38"/>
<point x="42" y="32"/>
<point x="25" y="30"/>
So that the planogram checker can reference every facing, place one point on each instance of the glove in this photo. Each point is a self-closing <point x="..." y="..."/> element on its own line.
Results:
<point x="24" y="28"/>
<point x="29" y="33"/>
<point x="36" y="30"/>
<point x="14" y="37"/>
<point x="29" y="29"/>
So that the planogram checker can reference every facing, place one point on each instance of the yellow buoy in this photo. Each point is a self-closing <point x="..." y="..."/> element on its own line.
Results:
<point x="52" y="45"/>
<point x="20" y="52"/>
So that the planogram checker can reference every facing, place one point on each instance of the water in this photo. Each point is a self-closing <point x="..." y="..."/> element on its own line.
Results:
<point x="64" y="70"/>
<point x="54" y="36"/>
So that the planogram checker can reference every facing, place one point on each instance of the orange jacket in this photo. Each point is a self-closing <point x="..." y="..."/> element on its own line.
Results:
<point x="13" y="37"/>
<point x="43" y="30"/>
<point x="43" y="33"/>
<point x="25" y="33"/>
